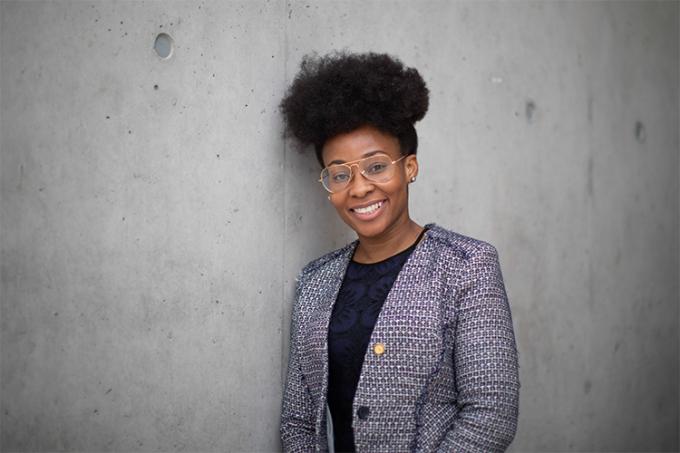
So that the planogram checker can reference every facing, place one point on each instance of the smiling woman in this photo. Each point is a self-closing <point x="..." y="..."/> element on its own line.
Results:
<point x="403" y="339"/>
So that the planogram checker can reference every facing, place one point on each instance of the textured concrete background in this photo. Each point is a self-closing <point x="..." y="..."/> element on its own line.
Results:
<point x="153" y="219"/>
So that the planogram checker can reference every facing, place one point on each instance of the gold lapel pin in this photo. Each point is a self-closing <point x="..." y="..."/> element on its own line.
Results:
<point x="379" y="349"/>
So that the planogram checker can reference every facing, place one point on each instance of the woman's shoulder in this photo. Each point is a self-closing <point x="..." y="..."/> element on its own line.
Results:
<point x="459" y="244"/>
<point x="328" y="261"/>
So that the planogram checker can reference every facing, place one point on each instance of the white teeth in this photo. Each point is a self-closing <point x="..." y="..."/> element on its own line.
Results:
<point x="369" y="209"/>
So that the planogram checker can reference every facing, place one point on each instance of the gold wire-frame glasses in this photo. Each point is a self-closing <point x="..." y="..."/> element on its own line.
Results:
<point x="376" y="168"/>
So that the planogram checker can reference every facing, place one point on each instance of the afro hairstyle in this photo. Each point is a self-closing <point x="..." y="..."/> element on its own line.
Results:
<point x="340" y="92"/>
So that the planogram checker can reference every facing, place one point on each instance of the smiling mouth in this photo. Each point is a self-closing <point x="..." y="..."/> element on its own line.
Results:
<point x="368" y="209"/>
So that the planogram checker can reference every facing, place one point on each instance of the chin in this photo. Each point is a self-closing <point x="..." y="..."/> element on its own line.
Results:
<point x="366" y="230"/>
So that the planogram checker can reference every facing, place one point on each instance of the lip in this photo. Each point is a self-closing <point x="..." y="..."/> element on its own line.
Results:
<point x="372" y="215"/>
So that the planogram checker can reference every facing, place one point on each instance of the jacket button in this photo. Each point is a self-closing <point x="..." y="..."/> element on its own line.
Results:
<point x="363" y="412"/>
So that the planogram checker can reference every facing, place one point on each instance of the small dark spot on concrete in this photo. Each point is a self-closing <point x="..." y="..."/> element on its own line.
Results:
<point x="56" y="313"/>
<point x="109" y="29"/>
<point x="246" y="105"/>
<point x="529" y="109"/>
<point x="213" y="75"/>
<point x="171" y="23"/>
<point x="161" y="26"/>
<point x="587" y="385"/>
<point x="121" y="22"/>
<point x="217" y="301"/>
<point x="123" y="219"/>
<point x="155" y="87"/>
<point x="129" y="132"/>
<point x="108" y="391"/>
<point x="617" y="345"/>
<point x="40" y="189"/>
<point x="108" y="117"/>
<point x="640" y="132"/>
<point x="660" y="403"/>
<point x="96" y="411"/>
<point x="218" y="156"/>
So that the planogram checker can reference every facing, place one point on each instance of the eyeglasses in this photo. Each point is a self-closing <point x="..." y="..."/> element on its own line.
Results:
<point x="377" y="168"/>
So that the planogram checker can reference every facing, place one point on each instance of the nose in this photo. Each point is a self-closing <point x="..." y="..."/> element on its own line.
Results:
<point x="359" y="186"/>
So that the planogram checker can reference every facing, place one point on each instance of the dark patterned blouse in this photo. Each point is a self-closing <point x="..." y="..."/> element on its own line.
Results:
<point x="355" y="312"/>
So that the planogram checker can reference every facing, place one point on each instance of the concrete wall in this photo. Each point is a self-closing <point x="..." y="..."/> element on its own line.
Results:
<point x="153" y="220"/>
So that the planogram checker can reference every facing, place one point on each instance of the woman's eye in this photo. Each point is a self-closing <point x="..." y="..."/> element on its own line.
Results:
<point x="377" y="167"/>
<point x="340" y="177"/>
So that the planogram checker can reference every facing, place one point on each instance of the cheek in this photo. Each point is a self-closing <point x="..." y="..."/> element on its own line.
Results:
<point x="338" y="203"/>
<point x="398" y="189"/>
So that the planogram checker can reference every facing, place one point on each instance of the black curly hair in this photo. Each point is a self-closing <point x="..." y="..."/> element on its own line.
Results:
<point x="341" y="91"/>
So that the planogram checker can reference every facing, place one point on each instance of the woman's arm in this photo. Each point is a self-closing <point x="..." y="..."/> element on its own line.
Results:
<point x="485" y="360"/>
<point x="297" y="413"/>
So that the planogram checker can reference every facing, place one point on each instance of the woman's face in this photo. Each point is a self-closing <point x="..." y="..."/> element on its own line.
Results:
<point x="369" y="208"/>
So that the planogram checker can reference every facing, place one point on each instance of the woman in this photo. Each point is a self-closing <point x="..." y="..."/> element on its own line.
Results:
<point x="403" y="339"/>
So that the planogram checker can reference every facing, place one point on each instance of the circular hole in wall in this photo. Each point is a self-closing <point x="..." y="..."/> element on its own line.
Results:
<point x="163" y="45"/>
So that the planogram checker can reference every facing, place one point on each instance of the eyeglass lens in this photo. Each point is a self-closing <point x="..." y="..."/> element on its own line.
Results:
<point x="374" y="168"/>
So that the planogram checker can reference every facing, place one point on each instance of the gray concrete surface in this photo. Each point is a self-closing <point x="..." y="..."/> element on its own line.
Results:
<point x="153" y="220"/>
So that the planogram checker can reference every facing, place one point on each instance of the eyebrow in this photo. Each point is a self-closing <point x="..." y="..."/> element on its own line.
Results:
<point x="368" y="154"/>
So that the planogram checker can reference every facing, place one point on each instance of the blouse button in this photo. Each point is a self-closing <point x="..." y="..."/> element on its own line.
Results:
<point x="379" y="349"/>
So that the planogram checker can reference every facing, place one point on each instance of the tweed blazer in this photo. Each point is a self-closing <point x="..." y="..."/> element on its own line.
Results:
<point x="448" y="377"/>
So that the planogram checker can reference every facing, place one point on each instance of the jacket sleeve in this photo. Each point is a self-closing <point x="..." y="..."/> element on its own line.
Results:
<point x="297" y="413"/>
<point x="485" y="360"/>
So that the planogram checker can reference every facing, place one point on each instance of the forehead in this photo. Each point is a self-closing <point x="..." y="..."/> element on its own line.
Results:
<point x="358" y="144"/>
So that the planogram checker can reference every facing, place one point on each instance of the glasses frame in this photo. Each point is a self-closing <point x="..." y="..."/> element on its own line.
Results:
<point x="351" y="164"/>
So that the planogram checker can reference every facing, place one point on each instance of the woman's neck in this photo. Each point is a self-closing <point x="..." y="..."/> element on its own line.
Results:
<point x="378" y="248"/>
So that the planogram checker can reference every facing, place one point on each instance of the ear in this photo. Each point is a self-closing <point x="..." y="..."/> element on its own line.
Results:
<point x="411" y="166"/>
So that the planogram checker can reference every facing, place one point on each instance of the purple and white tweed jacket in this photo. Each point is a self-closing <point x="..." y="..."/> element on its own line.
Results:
<point x="447" y="380"/>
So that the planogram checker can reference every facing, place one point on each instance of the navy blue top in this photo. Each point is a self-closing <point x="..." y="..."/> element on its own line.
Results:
<point x="360" y="299"/>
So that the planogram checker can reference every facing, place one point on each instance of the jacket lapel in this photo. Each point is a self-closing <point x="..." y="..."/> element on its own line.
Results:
<point x="321" y="291"/>
<point x="408" y="328"/>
